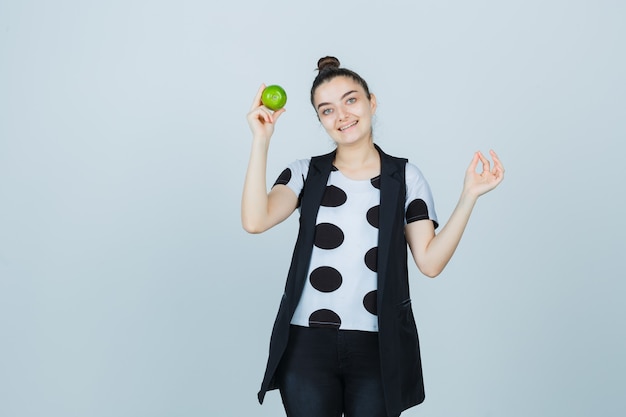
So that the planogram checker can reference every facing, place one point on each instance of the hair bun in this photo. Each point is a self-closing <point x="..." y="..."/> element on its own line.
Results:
<point x="328" y="62"/>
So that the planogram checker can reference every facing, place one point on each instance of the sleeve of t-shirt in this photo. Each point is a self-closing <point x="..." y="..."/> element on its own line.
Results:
<point x="419" y="204"/>
<point x="293" y="176"/>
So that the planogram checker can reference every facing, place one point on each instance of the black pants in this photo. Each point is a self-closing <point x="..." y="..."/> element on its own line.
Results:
<point x="326" y="372"/>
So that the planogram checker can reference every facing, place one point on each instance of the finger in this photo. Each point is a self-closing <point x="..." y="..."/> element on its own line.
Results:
<point x="497" y="162"/>
<point x="257" y="99"/>
<point x="474" y="163"/>
<point x="485" y="162"/>
<point x="261" y="114"/>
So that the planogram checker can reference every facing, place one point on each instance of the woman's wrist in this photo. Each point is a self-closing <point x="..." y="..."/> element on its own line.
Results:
<point x="259" y="141"/>
<point x="468" y="198"/>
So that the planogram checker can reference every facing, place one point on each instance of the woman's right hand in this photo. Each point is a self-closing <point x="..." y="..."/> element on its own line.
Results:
<point x="261" y="119"/>
<point x="261" y="210"/>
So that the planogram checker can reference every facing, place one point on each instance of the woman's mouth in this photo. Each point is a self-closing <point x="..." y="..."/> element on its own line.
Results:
<point x="348" y="126"/>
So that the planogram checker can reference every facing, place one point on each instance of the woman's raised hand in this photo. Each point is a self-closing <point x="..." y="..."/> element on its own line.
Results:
<point x="479" y="183"/>
<point x="261" y="119"/>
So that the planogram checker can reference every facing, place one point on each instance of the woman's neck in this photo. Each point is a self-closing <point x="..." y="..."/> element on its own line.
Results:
<point x="360" y="161"/>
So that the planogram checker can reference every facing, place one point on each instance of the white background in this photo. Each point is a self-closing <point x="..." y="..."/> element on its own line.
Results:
<point x="127" y="285"/>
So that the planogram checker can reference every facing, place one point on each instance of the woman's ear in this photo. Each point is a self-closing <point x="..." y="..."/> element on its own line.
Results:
<point x="373" y="103"/>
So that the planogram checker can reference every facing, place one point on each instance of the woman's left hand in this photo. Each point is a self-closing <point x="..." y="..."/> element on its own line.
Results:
<point x="479" y="183"/>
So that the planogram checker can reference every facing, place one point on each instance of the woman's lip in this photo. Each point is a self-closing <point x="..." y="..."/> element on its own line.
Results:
<point x="348" y="126"/>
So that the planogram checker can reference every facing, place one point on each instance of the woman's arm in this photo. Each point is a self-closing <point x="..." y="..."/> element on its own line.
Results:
<point x="431" y="251"/>
<point x="261" y="210"/>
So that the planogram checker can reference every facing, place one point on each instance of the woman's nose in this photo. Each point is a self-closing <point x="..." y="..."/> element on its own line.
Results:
<point x="341" y="111"/>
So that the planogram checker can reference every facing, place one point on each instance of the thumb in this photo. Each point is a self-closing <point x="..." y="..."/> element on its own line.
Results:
<point x="278" y="113"/>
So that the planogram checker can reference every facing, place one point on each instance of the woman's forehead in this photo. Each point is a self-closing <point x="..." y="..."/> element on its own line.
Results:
<point x="335" y="88"/>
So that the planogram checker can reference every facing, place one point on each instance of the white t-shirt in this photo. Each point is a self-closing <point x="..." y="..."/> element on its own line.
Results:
<point x="340" y="291"/>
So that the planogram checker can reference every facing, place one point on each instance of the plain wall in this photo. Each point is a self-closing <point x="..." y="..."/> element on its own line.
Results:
<point x="127" y="285"/>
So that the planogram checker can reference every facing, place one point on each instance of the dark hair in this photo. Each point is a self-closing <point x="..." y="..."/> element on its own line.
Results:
<point x="328" y="68"/>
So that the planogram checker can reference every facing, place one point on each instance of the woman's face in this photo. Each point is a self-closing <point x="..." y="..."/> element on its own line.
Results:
<point x="344" y="110"/>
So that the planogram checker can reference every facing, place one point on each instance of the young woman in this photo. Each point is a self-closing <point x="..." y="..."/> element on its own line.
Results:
<point x="344" y="340"/>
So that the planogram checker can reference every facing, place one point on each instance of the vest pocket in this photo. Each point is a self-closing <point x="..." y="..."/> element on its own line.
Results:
<point x="406" y="319"/>
<point x="406" y="303"/>
<point x="407" y="347"/>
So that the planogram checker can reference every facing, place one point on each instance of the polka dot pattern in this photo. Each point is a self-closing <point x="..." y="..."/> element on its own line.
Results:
<point x="340" y="290"/>
<point x="371" y="259"/>
<point x="370" y="303"/>
<point x="376" y="182"/>
<point x="324" y="318"/>
<point x="325" y="279"/>
<point x="372" y="216"/>
<point x="342" y="279"/>
<point x="328" y="236"/>
<point x="284" y="177"/>
<point x="417" y="210"/>
<point x="333" y="197"/>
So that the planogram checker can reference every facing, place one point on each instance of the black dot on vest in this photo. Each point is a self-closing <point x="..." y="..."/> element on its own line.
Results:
<point x="284" y="177"/>
<point x="375" y="182"/>
<point x="333" y="197"/>
<point x="328" y="236"/>
<point x="370" y="303"/>
<point x="325" y="279"/>
<point x="372" y="216"/>
<point x="417" y="210"/>
<point x="324" y="318"/>
<point x="371" y="259"/>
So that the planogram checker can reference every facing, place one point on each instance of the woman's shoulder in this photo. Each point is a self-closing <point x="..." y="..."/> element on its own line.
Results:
<point x="300" y="165"/>
<point x="413" y="173"/>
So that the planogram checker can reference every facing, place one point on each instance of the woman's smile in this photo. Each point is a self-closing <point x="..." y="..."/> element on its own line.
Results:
<point x="348" y="126"/>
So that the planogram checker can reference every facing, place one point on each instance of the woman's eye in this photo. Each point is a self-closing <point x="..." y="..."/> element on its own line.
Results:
<point x="351" y="100"/>
<point x="327" y="111"/>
